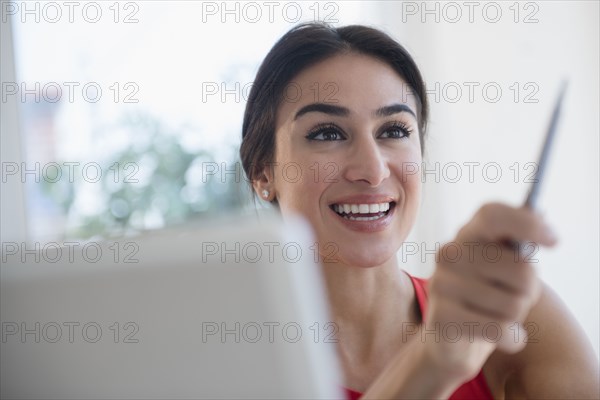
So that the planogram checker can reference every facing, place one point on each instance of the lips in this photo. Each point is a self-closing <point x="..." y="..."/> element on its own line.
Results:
<point x="364" y="213"/>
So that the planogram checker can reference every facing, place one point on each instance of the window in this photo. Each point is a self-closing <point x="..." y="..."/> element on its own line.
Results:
<point x="131" y="112"/>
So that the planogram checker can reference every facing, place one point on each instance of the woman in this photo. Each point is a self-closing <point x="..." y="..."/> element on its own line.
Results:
<point x="333" y="119"/>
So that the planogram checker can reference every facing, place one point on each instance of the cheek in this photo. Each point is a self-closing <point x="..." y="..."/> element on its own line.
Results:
<point x="412" y="181"/>
<point x="408" y="172"/>
<point x="408" y="166"/>
<point x="297" y="190"/>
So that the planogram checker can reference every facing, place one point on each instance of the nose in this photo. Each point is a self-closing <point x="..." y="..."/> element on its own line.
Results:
<point x="367" y="163"/>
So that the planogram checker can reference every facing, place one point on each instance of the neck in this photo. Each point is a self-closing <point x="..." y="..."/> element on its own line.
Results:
<point x="368" y="304"/>
<point x="369" y="307"/>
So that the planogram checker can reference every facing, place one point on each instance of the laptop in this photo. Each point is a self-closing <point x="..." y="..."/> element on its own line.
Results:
<point x="227" y="308"/>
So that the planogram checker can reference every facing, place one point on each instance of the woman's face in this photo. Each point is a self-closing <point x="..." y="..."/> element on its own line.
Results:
<point x="347" y="149"/>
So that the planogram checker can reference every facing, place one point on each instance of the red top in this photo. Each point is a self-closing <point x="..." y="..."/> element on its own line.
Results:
<point x="476" y="388"/>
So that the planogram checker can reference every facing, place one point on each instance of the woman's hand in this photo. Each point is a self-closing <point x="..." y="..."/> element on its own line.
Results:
<point x="483" y="289"/>
<point x="479" y="299"/>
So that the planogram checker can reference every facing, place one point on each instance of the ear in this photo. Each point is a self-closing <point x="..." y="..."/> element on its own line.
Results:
<point x="264" y="184"/>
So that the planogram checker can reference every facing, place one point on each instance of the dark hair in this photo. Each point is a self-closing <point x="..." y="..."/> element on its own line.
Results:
<point x="301" y="47"/>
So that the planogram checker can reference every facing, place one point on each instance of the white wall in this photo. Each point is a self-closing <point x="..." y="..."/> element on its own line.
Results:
<point x="563" y="43"/>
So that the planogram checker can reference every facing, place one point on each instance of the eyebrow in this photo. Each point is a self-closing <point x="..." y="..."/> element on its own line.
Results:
<point x="339" y="111"/>
<point x="394" y="109"/>
<point x="323" y="108"/>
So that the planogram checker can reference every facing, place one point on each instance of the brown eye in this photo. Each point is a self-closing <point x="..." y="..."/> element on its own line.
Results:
<point x="326" y="132"/>
<point x="396" y="130"/>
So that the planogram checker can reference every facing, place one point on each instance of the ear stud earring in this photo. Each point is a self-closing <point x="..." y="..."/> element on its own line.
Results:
<point x="265" y="194"/>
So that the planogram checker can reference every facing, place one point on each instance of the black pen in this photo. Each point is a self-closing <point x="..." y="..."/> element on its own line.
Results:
<point x="532" y="196"/>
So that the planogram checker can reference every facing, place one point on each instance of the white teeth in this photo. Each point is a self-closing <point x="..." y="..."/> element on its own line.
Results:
<point x="361" y="209"/>
<point x="363" y="218"/>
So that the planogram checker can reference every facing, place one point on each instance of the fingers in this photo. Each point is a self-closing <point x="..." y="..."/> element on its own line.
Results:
<point x="498" y="265"/>
<point x="481" y="282"/>
<point x="479" y="310"/>
<point x="487" y="299"/>
<point x="468" y="332"/>
<point x="495" y="222"/>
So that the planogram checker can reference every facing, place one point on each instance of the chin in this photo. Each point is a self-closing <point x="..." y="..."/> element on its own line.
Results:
<point x="367" y="263"/>
<point x="365" y="257"/>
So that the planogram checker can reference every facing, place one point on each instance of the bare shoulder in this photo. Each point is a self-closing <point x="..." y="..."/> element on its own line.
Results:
<point x="557" y="362"/>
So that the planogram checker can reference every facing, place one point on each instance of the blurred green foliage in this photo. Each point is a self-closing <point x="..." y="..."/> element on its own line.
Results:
<point x="153" y="182"/>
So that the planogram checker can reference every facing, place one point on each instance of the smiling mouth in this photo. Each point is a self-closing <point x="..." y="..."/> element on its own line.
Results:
<point x="363" y="212"/>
